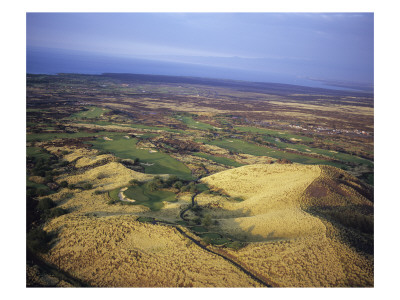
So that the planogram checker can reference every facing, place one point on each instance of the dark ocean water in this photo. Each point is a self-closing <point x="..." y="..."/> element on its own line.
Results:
<point x="40" y="61"/>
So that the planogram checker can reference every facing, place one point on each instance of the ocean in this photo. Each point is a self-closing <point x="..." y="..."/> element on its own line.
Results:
<point x="58" y="61"/>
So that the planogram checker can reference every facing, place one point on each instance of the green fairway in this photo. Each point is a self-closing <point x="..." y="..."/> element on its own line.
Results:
<point x="151" y="199"/>
<point x="248" y="148"/>
<point x="333" y="154"/>
<point x="90" y="113"/>
<point x="153" y="162"/>
<point x="221" y="160"/>
<point x="194" y="124"/>
<point x="131" y="125"/>
<point x="275" y="133"/>
<point x="37" y="153"/>
<point x="114" y="194"/>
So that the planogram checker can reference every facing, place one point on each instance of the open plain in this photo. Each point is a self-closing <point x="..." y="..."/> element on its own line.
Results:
<point x="232" y="183"/>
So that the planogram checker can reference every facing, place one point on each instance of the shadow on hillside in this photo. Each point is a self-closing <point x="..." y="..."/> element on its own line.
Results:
<point x="355" y="223"/>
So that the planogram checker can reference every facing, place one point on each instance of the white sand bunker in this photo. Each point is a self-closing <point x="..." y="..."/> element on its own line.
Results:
<point x="122" y="196"/>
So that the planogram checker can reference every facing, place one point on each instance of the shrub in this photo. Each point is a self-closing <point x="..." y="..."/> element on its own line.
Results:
<point x="197" y="221"/>
<point x="42" y="192"/>
<point x="171" y="180"/>
<point x="101" y="176"/>
<point x="64" y="184"/>
<point x="196" y="208"/>
<point x="207" y="240"/>
<point x="64" y="163"/>
<point x="236" y="245"/>
<point x="37" y="239"/>
<point x="206" y="221"/>
<point x="238" y="199"/>
<point x="45" y="203"/>
<point x="152" y="186"/>
<point x="178" y="185"/>
<point x="134" y="182"/>
<point x="185" y="188"/>
<point x="97" y="192"/>
<point x="54" y="213"/>
<point x="87" y="186"/>
<point x="31" y="193"/>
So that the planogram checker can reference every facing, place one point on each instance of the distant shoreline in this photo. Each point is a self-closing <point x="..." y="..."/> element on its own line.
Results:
<point x="335" y="87"/>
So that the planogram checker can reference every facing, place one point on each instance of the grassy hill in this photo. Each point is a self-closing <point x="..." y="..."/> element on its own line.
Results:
<point x="320" y="215"/>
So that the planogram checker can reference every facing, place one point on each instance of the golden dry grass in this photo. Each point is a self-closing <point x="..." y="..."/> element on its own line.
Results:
<point x="294" y="247"/>
<point x="104" y="245"/>
<point x="108" y="176"/>
<point x="357" y="110"/>
<point x="117" y="251"/>
<point x="271" y="209"/>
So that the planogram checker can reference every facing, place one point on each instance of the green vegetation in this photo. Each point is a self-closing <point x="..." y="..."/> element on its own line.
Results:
<point x="151" y="199"/>
<point x="45" y="203"/>
<point x="202" y="187"/>
<point x="199" y="229"/>
<point x="221" y="160"/>
<point x="153" y="162"/>
<point x="37" y="153"/>
<point x="90" y="113"/>
<point x="206" y="221"/>
<point x="114" y="195"/>
<point x="236" y="245"/>
<point x="241" y="146"/>
<point x="147" y="194"/>
<point x="188" y="120"/>
<point x="87" y="186"/>
<point x="145" y="219"/>
<point x="332" y="154"/>
<point x="38" y="240"/>
<point x="276" y="133"/>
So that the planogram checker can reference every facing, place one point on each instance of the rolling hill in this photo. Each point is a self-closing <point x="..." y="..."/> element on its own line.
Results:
<point x="310" y="225"/>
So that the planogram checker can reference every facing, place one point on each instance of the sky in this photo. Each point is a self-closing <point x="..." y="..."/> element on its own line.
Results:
<point x="297" y="48"/>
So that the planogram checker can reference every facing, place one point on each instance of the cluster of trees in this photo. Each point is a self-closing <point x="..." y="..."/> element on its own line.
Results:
<point x="171" y="182"/>
<point x="45" y="169"/>
<point x="39" y="210"/>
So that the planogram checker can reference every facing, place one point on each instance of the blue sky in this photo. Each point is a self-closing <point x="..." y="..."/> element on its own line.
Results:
<point x="248" y="46"/>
